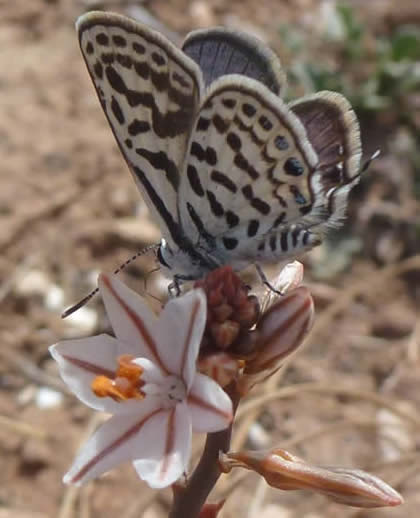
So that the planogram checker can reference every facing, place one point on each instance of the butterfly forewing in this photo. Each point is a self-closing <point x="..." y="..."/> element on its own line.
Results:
<point x="149" y="92"/>
<point x="249" y="169"/>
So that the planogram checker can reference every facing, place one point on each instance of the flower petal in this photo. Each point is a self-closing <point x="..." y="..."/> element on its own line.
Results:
<point x="120" y="439"/>
<point x="282" y="329"/>
<point x="151" y="373"/>
<point x="81" y="361"/>
<point x="181" y="327"/>
<point x="209" y="405"/>
<point x="169" y="434"/>
<point x="132" y="321"/>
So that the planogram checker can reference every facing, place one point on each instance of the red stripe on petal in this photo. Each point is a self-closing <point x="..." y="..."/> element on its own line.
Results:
<point x="89" y="367"/>
<point x="294" y="345"/>
<point x="194" y="312"/>
<point x="169" y="445"/>
<point x="194" y="400"/>
<point x="281" y="341"/>
<point x="138" y="324"/>
<point x="127" y="435"/>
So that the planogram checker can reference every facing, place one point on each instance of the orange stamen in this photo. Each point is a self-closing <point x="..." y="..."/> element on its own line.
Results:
<point x="126" y="383"/>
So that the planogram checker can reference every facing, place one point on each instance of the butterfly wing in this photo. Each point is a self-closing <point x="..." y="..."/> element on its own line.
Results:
<point x="333" y="130"/>
<point x="221" y="51"/>
<point x="150" y="92"/>
<point x="251" y="173"/>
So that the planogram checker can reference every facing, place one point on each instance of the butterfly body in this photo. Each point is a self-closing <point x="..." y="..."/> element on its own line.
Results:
<point x="232" y="174"/>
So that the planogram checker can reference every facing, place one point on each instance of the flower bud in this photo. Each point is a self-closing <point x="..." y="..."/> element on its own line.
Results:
<point x="285" y="471"/>
<point x="231" y="311"/>
<point x="279" y="333"/>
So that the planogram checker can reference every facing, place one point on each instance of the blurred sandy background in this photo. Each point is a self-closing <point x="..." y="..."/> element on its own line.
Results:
<point x="68" y="209"/>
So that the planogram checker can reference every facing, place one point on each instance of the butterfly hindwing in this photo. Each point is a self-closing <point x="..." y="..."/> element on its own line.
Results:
<point x="221" y="51"/>
<point x="333" y="131"/>
<point x="248" y="172"/>
<point x="150" y="92"/>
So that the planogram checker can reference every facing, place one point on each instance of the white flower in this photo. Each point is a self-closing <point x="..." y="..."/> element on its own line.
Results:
<point x="146" y="377"/>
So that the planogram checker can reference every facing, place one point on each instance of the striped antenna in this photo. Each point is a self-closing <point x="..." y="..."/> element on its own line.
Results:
<point x="86" y="299"/>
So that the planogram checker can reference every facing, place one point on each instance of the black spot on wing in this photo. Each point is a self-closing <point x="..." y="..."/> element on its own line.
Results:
<point x="137" y="127"/>
<point x="281" y="143"/>
<point x="232" y="219"/>
<point x="124" y="60"/>
<point x="215" y="206"/>
<point x="249" y="110"/>
<point x="229" y="103"/>
<point x="222" y="179"/>
<point x="283" y="241"/>
<point x="293" y="167"/>
<point x="257" y="203"/>
<point x="138" y="48"/>
<point x="208" y="155"/>
<point x="119" y="41"/>
<point x="273" y="242"/>
<point x="299" y="198"/>
<point x="234" y="141"/>
<point x="98" y="70"/>
<point x="266" y="124"/>
<point x="220" y="124"/>
<point x="102" y="39"/>
<point x="203" y="124"/>
<point x="142" y="69"/>
<point x="89" y="48"/>
<point x="160" y="160"/>
<point x="253" y="227"/>
<point x="108" y="58"/>
<point x="158" y="59"/>
<point x="194" y="180"/>
<point x="242" y="163"/>
<point x="117" y="111"/>
<point x="230" y="243"/>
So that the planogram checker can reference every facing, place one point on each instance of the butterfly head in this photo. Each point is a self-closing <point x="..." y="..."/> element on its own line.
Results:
<point x="176" y="262"/>
<point x="186" y="263"/>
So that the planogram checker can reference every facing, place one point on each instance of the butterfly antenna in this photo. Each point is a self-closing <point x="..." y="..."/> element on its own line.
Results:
<point x="86" y="299"/>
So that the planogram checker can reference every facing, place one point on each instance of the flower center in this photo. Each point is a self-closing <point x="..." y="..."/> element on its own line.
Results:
<point x="173" y="391"/>
<point x="126" y="384"/>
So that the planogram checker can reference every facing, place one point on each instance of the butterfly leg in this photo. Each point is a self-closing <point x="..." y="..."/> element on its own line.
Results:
<point x="174" y="288"/>
<point x="265" y="281"/>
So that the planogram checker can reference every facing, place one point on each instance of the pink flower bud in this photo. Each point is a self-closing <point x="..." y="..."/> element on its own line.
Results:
<point x="281" y="330"/>
<point x="285" y="471"/>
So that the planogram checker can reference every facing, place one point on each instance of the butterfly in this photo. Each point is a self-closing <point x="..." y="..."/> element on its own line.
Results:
<point x="232" y="173"/>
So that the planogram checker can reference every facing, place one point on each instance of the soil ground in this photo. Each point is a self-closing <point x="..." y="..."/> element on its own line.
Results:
<point x="68" y="210"/>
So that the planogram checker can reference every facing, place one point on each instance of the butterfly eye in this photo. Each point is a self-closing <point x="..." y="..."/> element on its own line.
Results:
<point x="161" y="259"/>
